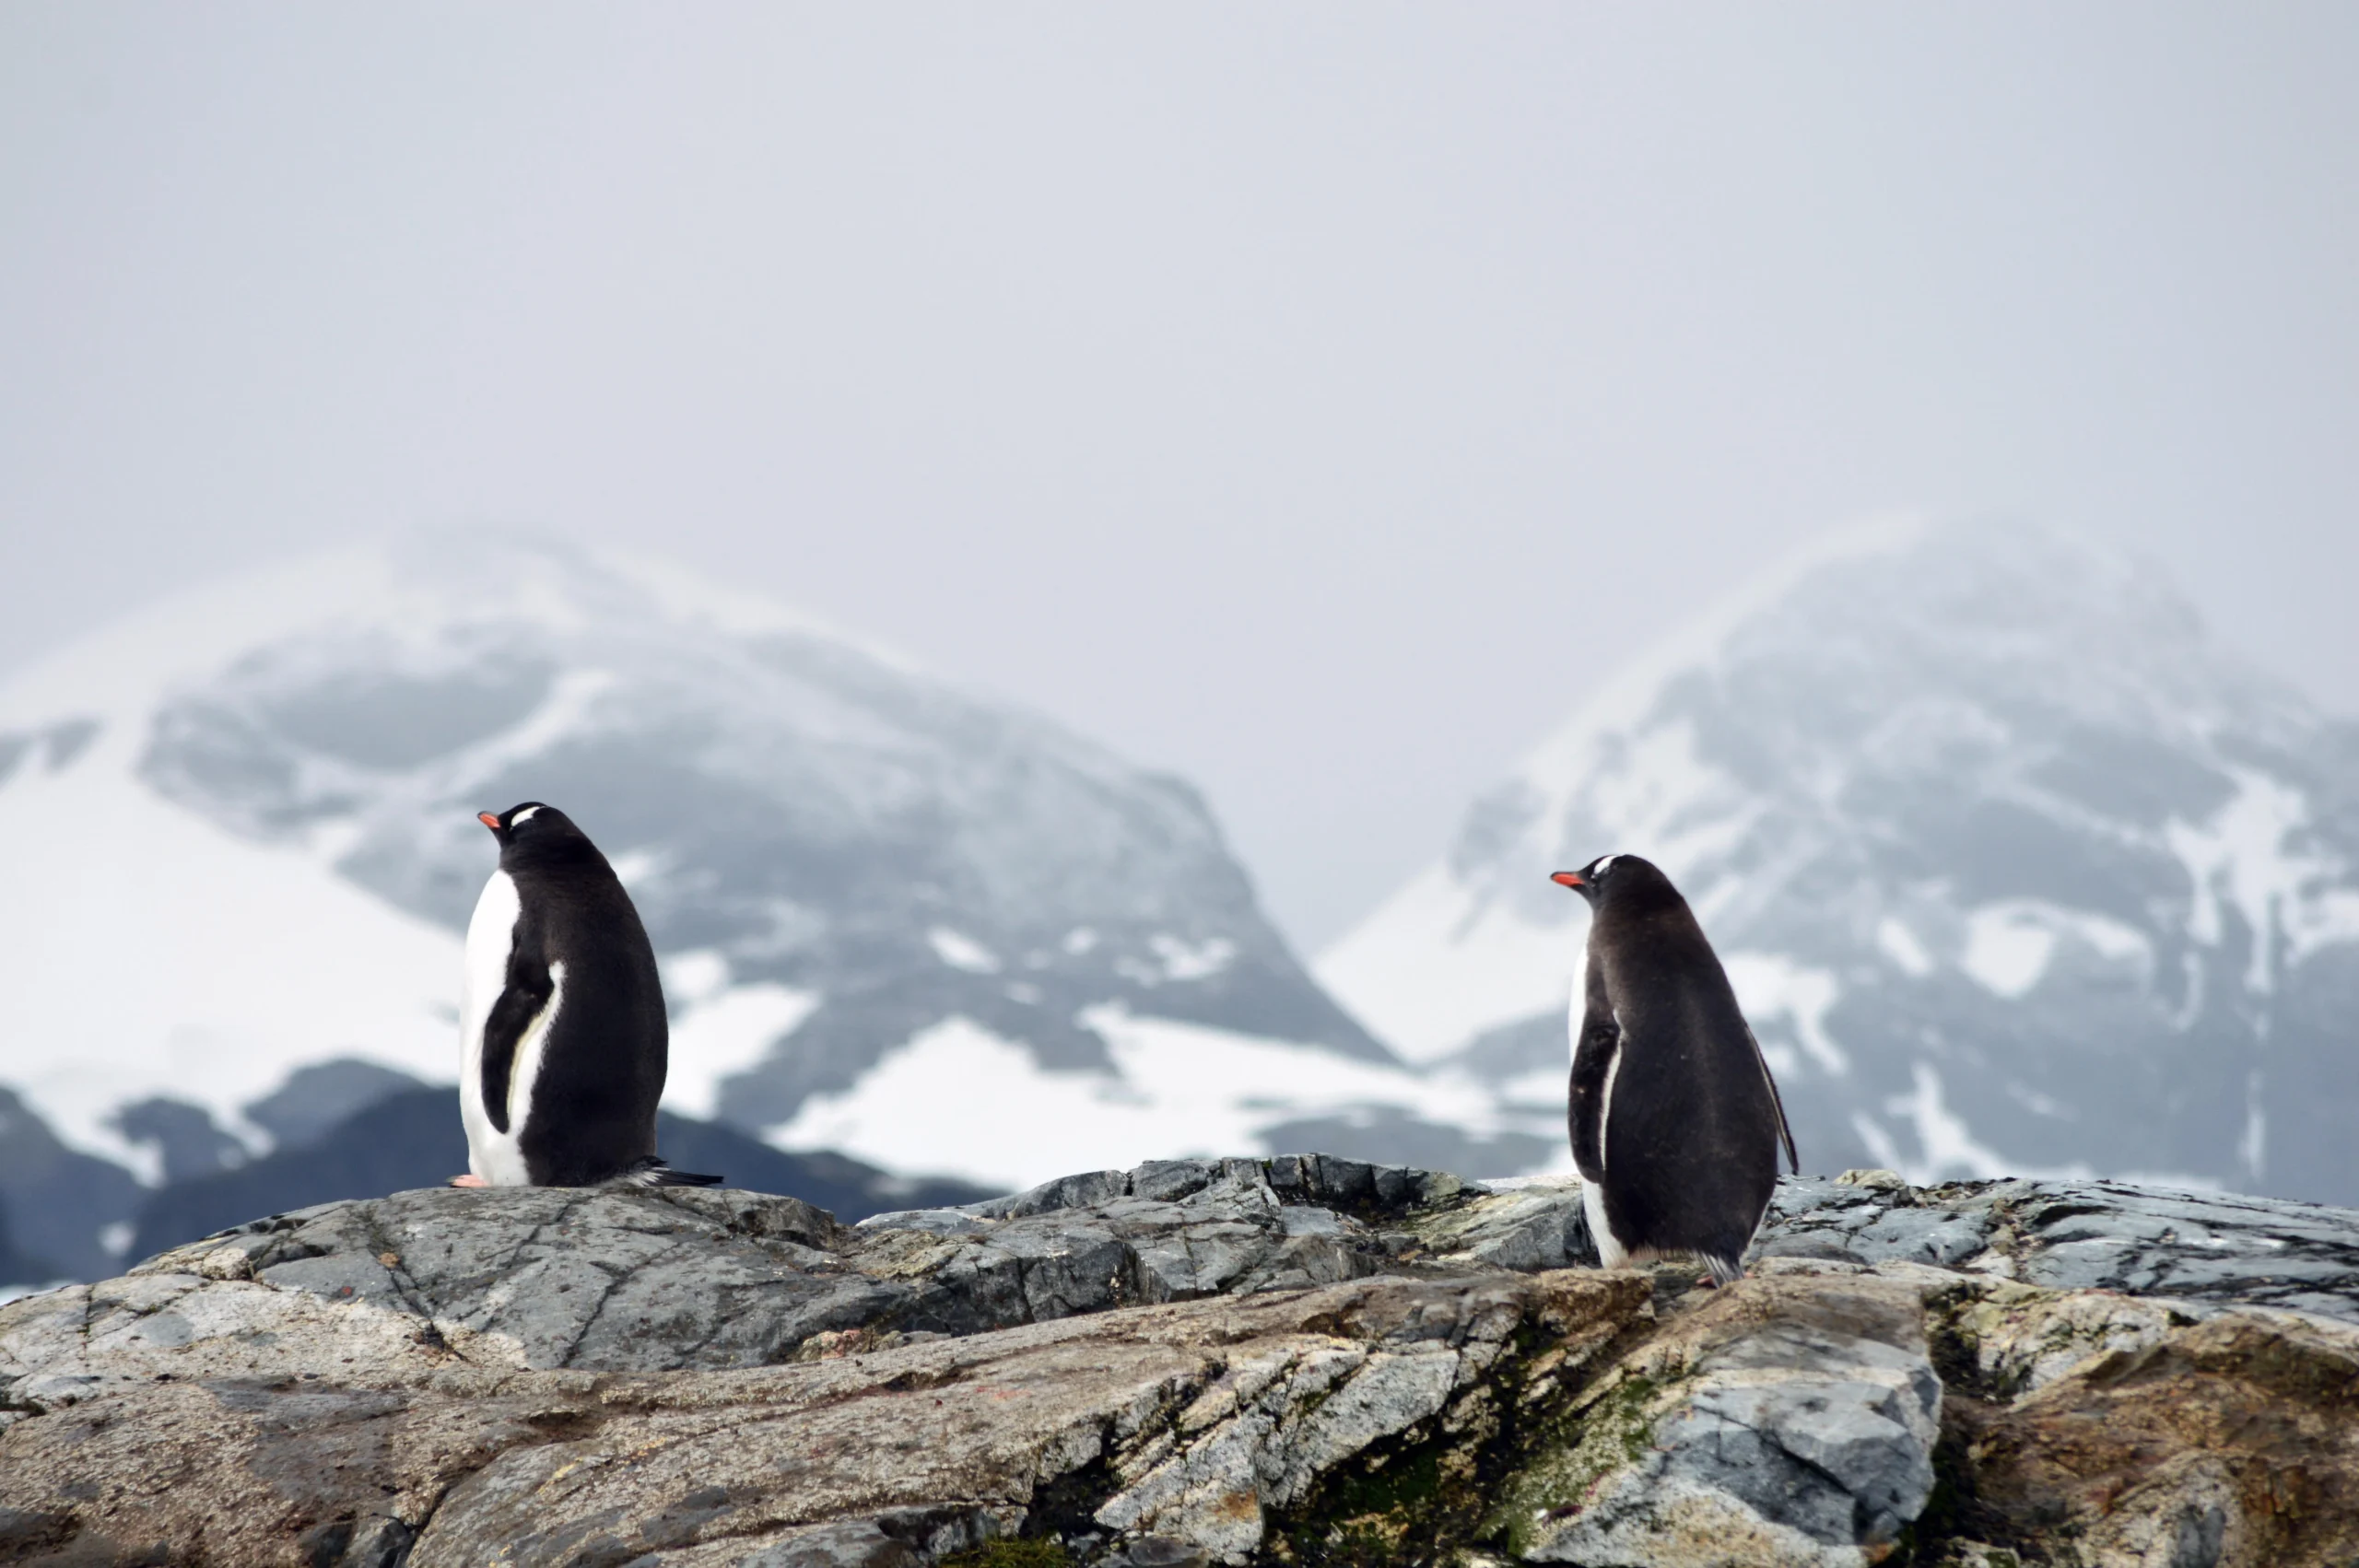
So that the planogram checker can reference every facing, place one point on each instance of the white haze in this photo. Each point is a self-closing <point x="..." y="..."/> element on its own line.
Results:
<point x="1314" y="399"/>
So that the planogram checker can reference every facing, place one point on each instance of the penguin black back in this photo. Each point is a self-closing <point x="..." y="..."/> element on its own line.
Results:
<point x="568" y="1039"/>
<point x="1675" y="1120"/>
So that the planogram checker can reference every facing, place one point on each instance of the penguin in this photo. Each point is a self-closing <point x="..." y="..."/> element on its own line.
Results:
<point x="1675" y="1121"/>
<point x="563" y="1031"/>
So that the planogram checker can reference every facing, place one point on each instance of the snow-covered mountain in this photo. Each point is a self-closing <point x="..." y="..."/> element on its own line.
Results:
<point x="2014" y="873"/>
<point x="895" y="920"/>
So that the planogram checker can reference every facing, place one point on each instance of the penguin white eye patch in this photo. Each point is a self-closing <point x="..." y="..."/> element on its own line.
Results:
<point x="519" y="820"/>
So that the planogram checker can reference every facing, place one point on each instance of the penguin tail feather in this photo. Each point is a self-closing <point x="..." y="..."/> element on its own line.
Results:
<point x="653" y="1172"/>
<point x="1724" y="1270"/>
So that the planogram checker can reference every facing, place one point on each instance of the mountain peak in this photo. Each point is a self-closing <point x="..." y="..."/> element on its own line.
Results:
<point x="1977" y="819"/>
<point x="262" y="795"/>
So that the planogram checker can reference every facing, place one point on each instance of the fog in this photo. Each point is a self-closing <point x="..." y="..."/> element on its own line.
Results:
<point x="1314" y="400"/>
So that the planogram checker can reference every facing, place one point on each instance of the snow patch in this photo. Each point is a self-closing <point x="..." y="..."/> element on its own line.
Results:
<point x="2007" y="949"/>
<point x="252" y="958"/>
<point x="1897" y="942"/>
<point x="2242" y="859"/>
<point x="693" y="976"/>
<point x="960" y="1099"/>
<point x="1196" y="961"/>
<point x="725" y="1031"/>
<point x="638" y="868"/>
<point x="1545" y="1087"/>
<point x="1947" y="1148"/>
<point x="1770" y="985"/>
<point x="962" y="952"/>
<point x="2253" y="1147"/>
<point x="1434" y="966"/>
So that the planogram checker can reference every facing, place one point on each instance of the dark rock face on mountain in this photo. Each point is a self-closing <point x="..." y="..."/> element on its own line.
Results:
<point x="318" y="1099"/>
<point x="1303" y="1360"/>
<point x="2013" y="871"/>
<point x="59" y="1202"/>
<point x="16" y="1266"/>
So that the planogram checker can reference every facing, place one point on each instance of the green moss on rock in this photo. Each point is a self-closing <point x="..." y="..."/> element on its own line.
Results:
<point x="1609" y="1432"/>
<point x="1012" y="1551"/>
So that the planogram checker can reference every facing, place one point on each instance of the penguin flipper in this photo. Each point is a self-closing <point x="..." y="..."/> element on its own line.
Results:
<point x="653" y="1172"/>
<point x="1594" y="1054"/>
<point x="521" y="1003"/>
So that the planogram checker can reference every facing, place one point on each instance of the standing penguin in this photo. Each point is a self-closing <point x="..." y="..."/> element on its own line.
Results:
<point x="562" y="1059"/>
<point x="1675" y="1120"/>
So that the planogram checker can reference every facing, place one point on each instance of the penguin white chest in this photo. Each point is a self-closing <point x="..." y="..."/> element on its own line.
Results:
<point x="494" y="1155"/>
<point x="1610" y="1250"/>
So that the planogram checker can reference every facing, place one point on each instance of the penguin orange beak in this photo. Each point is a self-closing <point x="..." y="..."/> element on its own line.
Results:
<point x="489" y="820"/>
<point x="1568" y="879"/>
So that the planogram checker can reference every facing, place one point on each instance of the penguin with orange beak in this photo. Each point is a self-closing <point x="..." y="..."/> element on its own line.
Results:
<point x="1676" y="1124"/>
<point x="563" y="1033"/>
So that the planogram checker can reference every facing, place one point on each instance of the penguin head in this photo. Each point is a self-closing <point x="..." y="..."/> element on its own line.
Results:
<point x="533" y="828"/>
<point x="1613" y="879"/>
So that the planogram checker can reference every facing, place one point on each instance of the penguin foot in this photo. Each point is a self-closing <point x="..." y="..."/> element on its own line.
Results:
<point x="468" y="1180"/>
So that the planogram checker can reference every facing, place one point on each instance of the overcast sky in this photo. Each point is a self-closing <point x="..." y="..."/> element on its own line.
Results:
<point x="1316" y="400"/>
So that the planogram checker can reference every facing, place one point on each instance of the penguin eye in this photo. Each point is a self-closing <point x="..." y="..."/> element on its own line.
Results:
<point x="1604" y="864"/>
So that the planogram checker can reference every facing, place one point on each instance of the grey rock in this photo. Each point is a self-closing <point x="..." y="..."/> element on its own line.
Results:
<point x="681" y="1279"/>
<point x="1301" y="1220"/>
<point x="2084" y="1235"/>
<point x="1065" y="1192"/>
<point x="1782" y="1422"/>
<point x="1165" y="1367"/>
<point x="1205" y="1424"/>
<point x="675" y="1279"/>
<point x="1536" y="1224"/>
<point x="899" y="1537"/>
<point x="342" y="1276"/>
<point x="934" y="1222"/>
<point x="1167" y="1181"/>
<point x="1160" y="1551"/>
<point x="377" y="1541"/>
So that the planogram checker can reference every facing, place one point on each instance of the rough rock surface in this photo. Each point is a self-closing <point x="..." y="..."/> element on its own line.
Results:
<point x="1300" y="1360"/>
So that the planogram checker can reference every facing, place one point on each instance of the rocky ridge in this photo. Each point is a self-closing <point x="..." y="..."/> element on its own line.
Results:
<point x="1298" y="1360"/>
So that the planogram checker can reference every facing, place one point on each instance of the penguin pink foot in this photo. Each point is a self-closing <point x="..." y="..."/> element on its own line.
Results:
<point x="468" y="1180"/>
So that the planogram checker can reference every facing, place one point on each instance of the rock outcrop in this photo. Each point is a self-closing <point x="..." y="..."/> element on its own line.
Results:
<point x="1300" y="1360"/>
